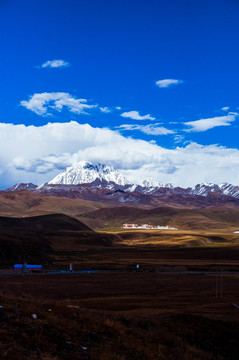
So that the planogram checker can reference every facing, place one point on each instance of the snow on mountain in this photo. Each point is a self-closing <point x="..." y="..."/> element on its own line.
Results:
<point x="151" y="183"/>
<point x="204" y="189"/>
<point x="22" y="186"/>
<point x="131" y="188"/>
<point x="85" y="172"/>
<point x="169" y="185"/>
<point x="97" y="174"/>
<point x="101" y="176"/>
<point x="222" y="189"/>
<point x="230" y="190"/>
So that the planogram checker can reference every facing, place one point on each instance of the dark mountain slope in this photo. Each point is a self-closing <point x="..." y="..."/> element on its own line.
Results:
<point x="43" y="224"/>
<point x="38" y="239"/>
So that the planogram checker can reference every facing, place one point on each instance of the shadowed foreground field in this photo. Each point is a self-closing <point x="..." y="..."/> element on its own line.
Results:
<point x="122" y="316"/>
<point x="160" y="312"/>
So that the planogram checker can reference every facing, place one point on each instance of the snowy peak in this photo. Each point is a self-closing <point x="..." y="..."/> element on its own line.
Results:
<point x="222" y="189"/>
<point x="151" y="183"/>
<point x="205" y="189"/>
<point x="85" y="172"/>
<point x="230" y="190"/>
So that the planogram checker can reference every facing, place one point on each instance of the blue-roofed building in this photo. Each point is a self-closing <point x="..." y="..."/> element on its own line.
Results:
<point x="28" y="268"/>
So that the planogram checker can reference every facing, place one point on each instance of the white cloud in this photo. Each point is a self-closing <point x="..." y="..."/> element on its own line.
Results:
<point x="168" y="82"/>
<point x="147" y="129"/>
<point x="210" y="123"/>
<point x="43" y="103"/>
<point x="178" y="138"/>
<point x="225" y="108"/>
<point x="118" y="107"/>
<point x="55" y="64"/>
<point x="36" y="154"/>
<point x="135" y="116"/>
<point x="105" y="109"/>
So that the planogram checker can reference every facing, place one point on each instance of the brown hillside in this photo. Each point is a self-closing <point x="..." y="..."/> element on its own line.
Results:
<point x="26" y="203"/>
<point x="211" y="218"/>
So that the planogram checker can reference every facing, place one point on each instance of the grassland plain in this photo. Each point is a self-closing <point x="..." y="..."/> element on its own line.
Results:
<point x="178" y="305"/>
<point x="126" y="315"/>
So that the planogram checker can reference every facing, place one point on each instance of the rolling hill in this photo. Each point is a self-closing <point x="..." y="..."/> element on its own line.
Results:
<point x="210" y="218"/>
<point x="41" y="238"/>
<point x="27" y="203"/>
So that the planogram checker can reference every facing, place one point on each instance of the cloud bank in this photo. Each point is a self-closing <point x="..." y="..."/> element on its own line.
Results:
<point x="44" y="103"/>
<point x="55" y="64"/>
<point x="37" y="154"/>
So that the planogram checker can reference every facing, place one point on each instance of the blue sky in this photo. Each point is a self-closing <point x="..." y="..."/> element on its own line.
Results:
<point x="158" y="76"/>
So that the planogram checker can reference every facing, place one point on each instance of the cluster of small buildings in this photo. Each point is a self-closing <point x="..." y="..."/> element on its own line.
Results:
<point x="147" y="226"/>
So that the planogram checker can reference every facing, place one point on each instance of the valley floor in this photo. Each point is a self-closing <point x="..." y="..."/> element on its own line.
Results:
<point x="122" y="316"/>
<point x="178" y="304"/>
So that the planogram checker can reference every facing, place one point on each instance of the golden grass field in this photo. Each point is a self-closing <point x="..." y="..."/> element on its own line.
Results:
<point x="177" y="305"/>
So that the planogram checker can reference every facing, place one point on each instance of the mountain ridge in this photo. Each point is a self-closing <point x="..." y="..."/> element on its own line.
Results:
<point x="102" y="182"/>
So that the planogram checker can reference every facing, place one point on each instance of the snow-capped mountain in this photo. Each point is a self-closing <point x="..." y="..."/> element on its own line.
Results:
<point x="230" y="190"/>
<point x="151" y="183"/>
<point x="85" y="172"/>
<point x="205" y="189"/>
<point x="223" y="189"/>
<point x="100" y="182"/>
<point x="22" y="186"/>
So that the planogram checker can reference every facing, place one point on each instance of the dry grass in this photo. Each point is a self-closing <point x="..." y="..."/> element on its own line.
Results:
<point x="27" y="203"/>
<point x="182" y="238"/>
<point x="118" y="317"/>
